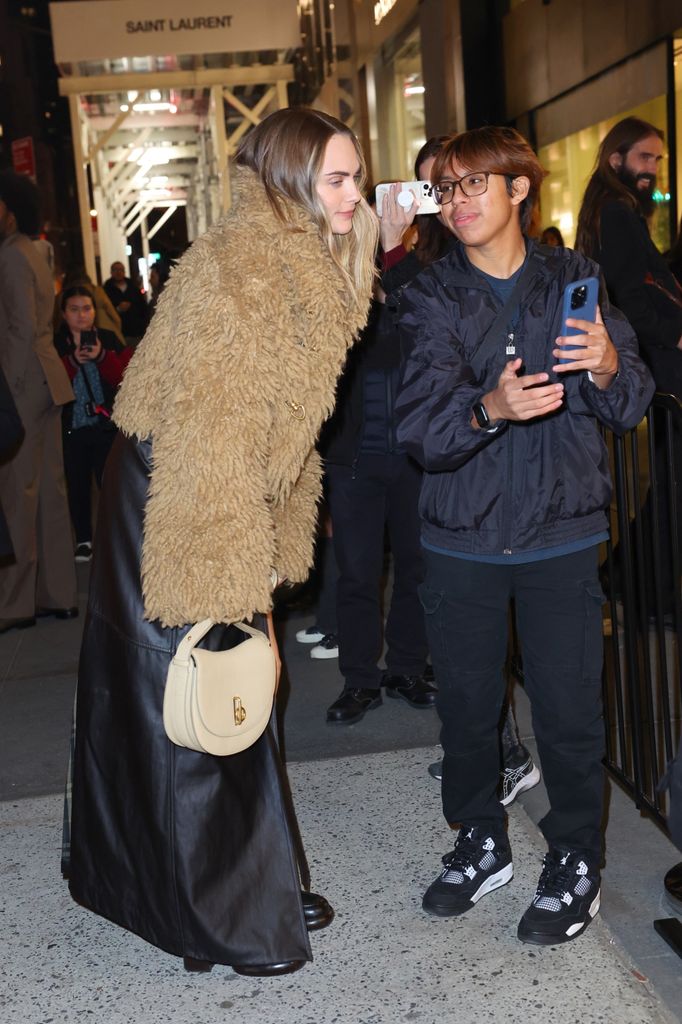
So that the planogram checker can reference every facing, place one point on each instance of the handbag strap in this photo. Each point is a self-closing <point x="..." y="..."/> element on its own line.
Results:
<point x="537" y="258"/>
<point x="199" y="630"/>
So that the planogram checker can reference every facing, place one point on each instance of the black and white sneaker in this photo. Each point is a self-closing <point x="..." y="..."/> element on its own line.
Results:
<point x="328" y="647"/>
<point x="517" y="779"/>
<point x="478" y="864"/>
<point x="311" y="635"/>
<point x="514" y="779"/>
<point x="84" y="552"/>
<point x="566" y="900"/>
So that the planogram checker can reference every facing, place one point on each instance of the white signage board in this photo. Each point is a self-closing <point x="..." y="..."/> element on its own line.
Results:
<point x="101" y="29"/>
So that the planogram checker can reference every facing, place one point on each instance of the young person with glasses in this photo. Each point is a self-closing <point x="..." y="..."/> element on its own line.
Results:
<point x="515" y="486"/>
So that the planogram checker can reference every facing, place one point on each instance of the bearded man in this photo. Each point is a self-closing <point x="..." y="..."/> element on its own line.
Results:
<point x="613" y="231"/>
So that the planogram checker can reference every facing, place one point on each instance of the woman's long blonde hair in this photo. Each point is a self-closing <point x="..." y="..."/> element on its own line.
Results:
<point x="286" y="151"/>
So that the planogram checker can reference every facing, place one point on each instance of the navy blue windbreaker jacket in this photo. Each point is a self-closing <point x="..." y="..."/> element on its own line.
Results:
<point x="535" y="484"/>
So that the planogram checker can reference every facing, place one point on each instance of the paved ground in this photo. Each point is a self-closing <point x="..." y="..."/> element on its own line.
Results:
<point x="370" y="818"/>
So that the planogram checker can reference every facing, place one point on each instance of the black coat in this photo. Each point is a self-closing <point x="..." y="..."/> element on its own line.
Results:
<point x="11" y="434"/>
<point x="192" y="852"/>
<point x="641" y="284"/>
<point x="134" y="320"/>
<point x="533" y="485"/>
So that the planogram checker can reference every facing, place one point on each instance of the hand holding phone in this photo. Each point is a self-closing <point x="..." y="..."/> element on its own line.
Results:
<point x="596" y="353"/>
<point x="89" y="347"/>
<point x="580" y="303"/>
<point x="410" y="191"/>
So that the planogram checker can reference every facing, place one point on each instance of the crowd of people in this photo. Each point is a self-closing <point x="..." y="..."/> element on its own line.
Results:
<point x="461" y="423"/>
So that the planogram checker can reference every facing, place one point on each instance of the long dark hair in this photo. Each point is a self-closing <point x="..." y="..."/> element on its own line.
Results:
<point x="432" y="235"/>
<point x="605" y="183"/>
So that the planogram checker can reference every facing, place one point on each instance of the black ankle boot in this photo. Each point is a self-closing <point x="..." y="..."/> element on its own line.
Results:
<point x="268" y="970"/>
<point x="317" y="912"/>
<point x="197" y="966"/>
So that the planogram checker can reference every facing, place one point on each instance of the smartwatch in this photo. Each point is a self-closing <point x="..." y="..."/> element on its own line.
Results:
<point x="483" y="419"/>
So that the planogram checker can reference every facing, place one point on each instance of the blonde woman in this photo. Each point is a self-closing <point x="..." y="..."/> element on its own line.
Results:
<point x="214" y="482"/>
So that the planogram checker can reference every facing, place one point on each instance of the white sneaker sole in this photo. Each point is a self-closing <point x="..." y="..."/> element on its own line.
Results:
<point x="494" y="882"/>
<point x="308" y="638"/>
<point x="527" y="782"/>
<point x="323" y="653"/>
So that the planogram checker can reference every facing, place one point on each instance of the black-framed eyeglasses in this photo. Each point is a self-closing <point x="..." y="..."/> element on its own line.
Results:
<point x="473" y="184"/>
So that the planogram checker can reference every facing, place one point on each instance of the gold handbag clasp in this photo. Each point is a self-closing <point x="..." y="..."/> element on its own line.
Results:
<point x="239" y="711"/>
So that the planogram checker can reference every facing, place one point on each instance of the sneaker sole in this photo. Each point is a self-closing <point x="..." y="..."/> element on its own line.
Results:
<point x="527" y="782"/>
<point x="312" y="638"/>
<point x="324" y="654"/>
<point x="494" y="882"/>
<point x="542" y="939"/>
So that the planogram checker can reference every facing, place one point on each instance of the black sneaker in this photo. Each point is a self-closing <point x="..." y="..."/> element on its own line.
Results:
<point x="83" y="552"/>
<point x="513" y="780"/>
<point x="517" y="779"/>
<point x="478" y="864"/>
<point x="328" y="647"/>
<point x="566" y="900"/>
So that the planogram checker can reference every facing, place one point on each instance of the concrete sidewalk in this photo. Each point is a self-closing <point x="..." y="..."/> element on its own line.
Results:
<point x="373" y="831"/>
<point x="373" y="835"/>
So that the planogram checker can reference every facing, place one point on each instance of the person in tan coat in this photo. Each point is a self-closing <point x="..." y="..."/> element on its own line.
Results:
<point x="209" y="497"/>
<point x="41" y="580"/>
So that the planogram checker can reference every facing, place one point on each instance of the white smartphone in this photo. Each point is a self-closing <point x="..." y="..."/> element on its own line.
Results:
<point x="421" y="190"/>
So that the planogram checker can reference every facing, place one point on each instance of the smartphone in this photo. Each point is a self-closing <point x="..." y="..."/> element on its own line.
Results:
<point x="88" y="339"/>
<point x="580" y="301"/>
<point x="420" y="189"/>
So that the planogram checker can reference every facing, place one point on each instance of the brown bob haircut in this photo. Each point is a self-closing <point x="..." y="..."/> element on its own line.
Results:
<point x="498" y="151"/>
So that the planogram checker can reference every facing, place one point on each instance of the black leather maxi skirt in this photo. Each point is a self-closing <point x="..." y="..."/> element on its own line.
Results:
<point x="192" y="852"/>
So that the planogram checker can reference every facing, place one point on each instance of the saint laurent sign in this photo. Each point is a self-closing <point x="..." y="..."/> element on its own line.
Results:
<point x="106" y="29"/>
<point x="179" y="25"/>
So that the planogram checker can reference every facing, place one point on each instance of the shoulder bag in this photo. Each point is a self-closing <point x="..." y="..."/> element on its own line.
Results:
<point x="219" y="702"/>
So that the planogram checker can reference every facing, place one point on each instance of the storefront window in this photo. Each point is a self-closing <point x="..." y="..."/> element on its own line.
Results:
<point x="400" y="103"/>
<point x="570" y="162"/>
<point x="410" y="103"/>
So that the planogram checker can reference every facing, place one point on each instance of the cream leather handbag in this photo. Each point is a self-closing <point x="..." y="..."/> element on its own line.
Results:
<point x="219" y="702"/>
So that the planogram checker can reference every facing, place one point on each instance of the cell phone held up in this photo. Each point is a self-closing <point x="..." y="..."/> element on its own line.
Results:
<point x="409" y="191"/>
<point x="580" y="303"/>
<point x="88" y="340"/>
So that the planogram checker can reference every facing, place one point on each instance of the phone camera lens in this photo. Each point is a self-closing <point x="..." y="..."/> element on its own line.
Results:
<point x="578" y="297"/>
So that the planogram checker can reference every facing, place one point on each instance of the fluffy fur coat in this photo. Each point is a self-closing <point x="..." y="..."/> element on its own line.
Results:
<point x="233" y="381"/>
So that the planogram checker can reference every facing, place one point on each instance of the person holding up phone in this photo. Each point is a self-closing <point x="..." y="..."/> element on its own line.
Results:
<point x="95" y="361"/>
<point x="516" y="483"/>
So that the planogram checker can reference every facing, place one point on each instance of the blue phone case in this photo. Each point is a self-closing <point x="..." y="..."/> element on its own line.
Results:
<point x="586" y="309"/>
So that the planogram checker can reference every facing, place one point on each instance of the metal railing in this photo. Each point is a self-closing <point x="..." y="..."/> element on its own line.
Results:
<point x="643" y="625"/>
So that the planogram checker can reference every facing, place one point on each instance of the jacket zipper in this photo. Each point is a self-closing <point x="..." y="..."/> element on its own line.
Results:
<point x="509" y="497"/>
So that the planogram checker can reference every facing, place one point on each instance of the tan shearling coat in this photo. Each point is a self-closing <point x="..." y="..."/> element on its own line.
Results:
<point x="232" y="381"/>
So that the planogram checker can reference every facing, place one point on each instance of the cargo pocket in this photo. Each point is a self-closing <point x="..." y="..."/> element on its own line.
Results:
<point x="431" y="600"/>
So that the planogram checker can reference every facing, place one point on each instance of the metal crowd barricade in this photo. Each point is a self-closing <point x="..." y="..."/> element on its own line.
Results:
<point x="643" y="621"/>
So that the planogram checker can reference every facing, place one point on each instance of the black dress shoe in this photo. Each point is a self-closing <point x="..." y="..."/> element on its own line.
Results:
<point x="413" y="689"/>
<point x="317" y="912"/>
<point x="197" y="966"/>
<point x="57" y="613"/>
<point x="7" y="624"/>
<point x="268" y="970"/>
<point x="352" y="706"/>
<point x="673" y="885"/>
